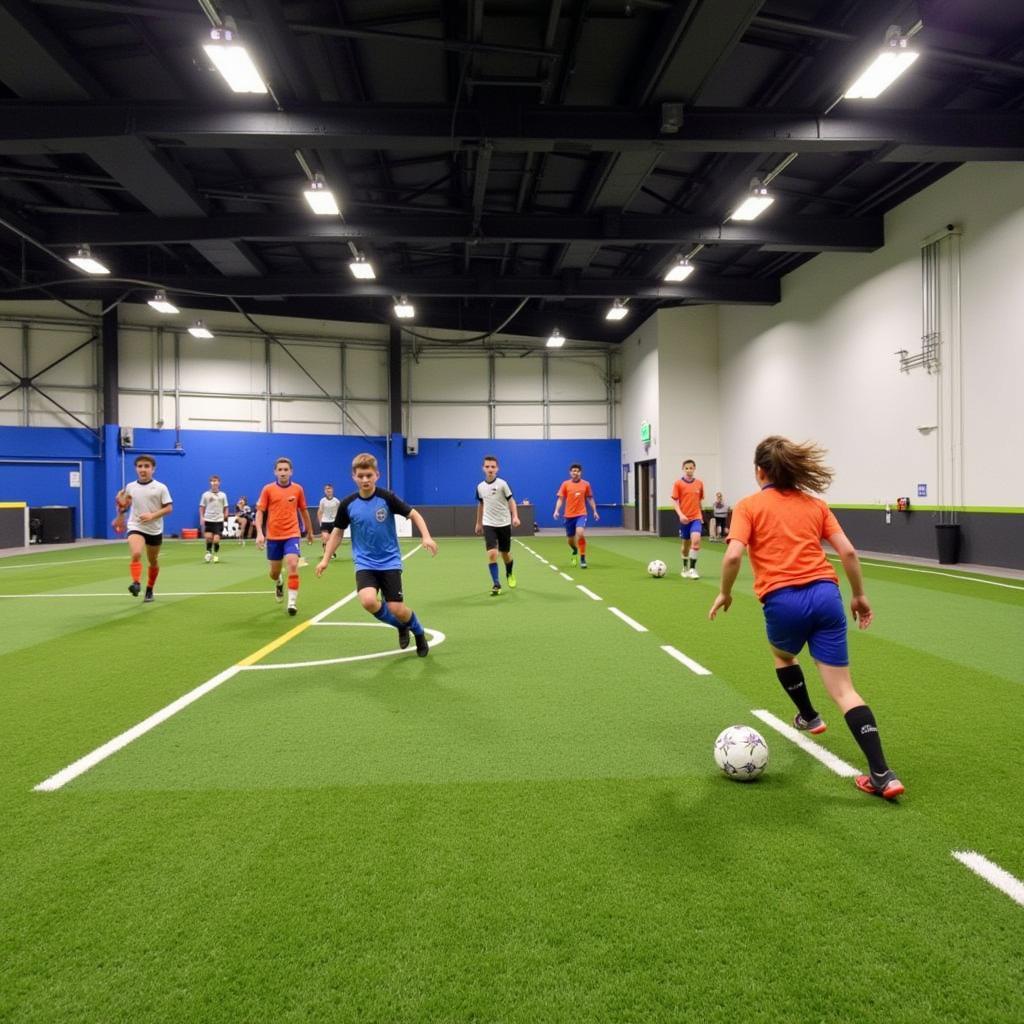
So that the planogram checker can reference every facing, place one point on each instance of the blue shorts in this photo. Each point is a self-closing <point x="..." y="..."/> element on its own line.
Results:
<point x="690" y="527"/>
<point x="811" y="614"/>
<point x="277" y="549"/>
<point x="574" y="523"/>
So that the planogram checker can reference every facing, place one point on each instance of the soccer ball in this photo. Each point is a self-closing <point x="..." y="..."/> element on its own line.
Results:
<point x="741" y="753"/>
<point x="657" y="568"/>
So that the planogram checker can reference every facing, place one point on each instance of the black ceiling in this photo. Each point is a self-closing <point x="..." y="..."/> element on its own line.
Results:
<point x="484" y="151"/>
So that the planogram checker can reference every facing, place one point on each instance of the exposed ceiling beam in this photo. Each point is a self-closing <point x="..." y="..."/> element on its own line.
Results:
<point x="795" y="234"/>
<point x="912" y="135"/>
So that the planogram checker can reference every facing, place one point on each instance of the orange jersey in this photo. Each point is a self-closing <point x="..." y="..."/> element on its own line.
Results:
<point x="575" y="494"/>
<point x="283" y="506"/>
<point x="688" y="496"/>
<point x="783" y="531"/>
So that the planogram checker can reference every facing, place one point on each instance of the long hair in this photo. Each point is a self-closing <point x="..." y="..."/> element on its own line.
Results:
<point x="791" y="466"/>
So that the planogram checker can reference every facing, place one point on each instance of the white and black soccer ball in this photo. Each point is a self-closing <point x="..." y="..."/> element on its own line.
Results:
<point x="741" y="753"/>
<point x="657" y="568"/>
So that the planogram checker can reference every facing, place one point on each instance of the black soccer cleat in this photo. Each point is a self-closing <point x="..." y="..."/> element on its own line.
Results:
<point x="422" y="647"/>
<point x="279" y="590"/>
<point x="134" y="589"/>
<point x="148" y="599"/>
<point x="496" y="590"/>
<point x="403" y="637"/>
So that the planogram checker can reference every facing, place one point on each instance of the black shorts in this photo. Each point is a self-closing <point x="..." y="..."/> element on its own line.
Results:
<point x="153" y="540"/>
<point x="721" y="520"/>
<point x="387" y="581"/>
<point x="326" y="527"/>
<point x="499" y="537"/>
<point x="217" y="528"/>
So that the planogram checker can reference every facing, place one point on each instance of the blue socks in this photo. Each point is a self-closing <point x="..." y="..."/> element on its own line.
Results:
<point x="385" y="615"/>
<point x="414" y="625"/>
<point x="493" y="566"/>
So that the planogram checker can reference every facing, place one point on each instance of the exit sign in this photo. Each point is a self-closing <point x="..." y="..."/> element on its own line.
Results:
<point x="645" y="432"/>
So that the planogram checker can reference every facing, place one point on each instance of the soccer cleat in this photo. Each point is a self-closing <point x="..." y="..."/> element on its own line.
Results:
<point x="302" y="562"/>
<point x="573" y="560"/>
<point x="403" y="637"/>
<point x="583" y="561"/>
<point x="693" y="575"/>
<point x="422" y="647"/>
<point x="134" y="589"/>
<point x="511" y="581"/>
<point x="216" y="558"/>
<point x="292" y="602"/>
<point x="148" y="599"/>
<point x="886" y="786"/>
<point x="815" y="726"/>
<point x="685" y="573"/>
<point x="279" y="590"/>
<point x="496" y="590"/>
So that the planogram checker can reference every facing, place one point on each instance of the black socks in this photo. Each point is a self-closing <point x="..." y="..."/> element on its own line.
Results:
<point x="862" y="724"/>
<point x="792" y="679"/>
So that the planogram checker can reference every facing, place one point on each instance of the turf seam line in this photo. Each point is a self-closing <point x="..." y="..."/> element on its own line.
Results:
<point x="992" y="873"/>
<point x="589" y="593"/>
<point x="826" y="757"/>
<point x="632" y="623"/>
<point x="90" y="760"/>
<point x="695" y="667"/>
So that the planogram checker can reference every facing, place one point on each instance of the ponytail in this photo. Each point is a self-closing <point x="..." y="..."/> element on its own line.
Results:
<point x="791" y="466"/>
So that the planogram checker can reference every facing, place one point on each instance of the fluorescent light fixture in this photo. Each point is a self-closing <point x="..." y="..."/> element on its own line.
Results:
<point x="617" y="311"/>
<point x="404" y="309"/>
<point x="320" y="198"/>
<point x="232" y="60"/>
<point x="679" y="271"/>
<point x="755" y="204"/>
<point x="887" y="66"/>
<point x="84" y="260"/>
<point x="200" y="330"/>
<point x="556" y="340"/>
<point x="362" y="269"/>
<point x="161" y="305"/>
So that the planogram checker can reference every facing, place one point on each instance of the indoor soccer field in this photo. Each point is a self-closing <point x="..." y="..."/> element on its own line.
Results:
<point x="525" y="826"/>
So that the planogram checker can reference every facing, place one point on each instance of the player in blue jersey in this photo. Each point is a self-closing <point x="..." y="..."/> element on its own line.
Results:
<point x="371" y="512"/>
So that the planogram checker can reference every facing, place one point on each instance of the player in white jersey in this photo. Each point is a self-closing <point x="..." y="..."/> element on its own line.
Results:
<point x="326" y="513"/>
<point x="496" y="514"/>
<point x="213" y="510"/>
<point x="149" y="501"/>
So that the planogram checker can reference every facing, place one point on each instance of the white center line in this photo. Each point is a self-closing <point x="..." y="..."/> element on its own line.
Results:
<point x="826" y="757"/>
<point x="632" y="623"/>
<point x="992" y="873"/>
<point x="692" y="665"/>
<point x="73" y="561"/>
<point x="553" y="568"/>
<point x="589" y="593"/>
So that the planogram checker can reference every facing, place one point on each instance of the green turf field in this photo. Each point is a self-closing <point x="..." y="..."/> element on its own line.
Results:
<point x="525" y="826"/>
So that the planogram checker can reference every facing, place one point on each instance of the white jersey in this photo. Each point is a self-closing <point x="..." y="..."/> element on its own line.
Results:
<point x="149" y="497"/>
<point x="214" y="505"/>
<point x="327" y="510"/>
<point x="494" y="498"/>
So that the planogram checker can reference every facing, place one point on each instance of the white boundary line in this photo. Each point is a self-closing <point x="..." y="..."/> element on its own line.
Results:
<point x="565" y="576"/>
<point x="90" y="760"/>
<point x="992" y="873"/>
<point x="826" y="757"/>
<point x="160" y="593"/>
<point x="551" y="566"/>
<point x="692" y="665"/>
<point x="632" y="623"/>
<point x="589" y="593"/>
<point x="935" y="572"/>
<point x="436" y="639"/>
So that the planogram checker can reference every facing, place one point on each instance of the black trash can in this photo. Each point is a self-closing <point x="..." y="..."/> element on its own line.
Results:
<point x="948" y="537"/>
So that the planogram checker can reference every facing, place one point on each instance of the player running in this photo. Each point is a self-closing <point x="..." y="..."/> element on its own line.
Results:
<point x="782" y="527"/>
<point x="687" y="494"/>
<point x="496" y="514"/>
<point x="213" y="510"/>
<point x="149" y="501"/>
<point x="370" y="512"/>
<point x="326" y="512"/>
<point x="278" y="510"/>
<point x="575" y="492"/>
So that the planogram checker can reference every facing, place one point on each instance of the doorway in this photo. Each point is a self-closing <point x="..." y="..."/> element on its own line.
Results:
<point x="647" y="496"/>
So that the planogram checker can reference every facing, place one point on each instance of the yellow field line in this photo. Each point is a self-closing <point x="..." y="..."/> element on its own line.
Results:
<point x="274" y="644"/>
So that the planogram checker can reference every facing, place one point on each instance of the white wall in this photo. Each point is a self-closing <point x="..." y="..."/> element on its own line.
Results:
<point x="640" y="396"/>
<point x="821" y="364"/>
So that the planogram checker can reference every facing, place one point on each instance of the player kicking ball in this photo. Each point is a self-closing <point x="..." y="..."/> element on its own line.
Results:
<point x="370" y="512"/>
<point x="149" y="501"/>
<point x="277" y="528"/>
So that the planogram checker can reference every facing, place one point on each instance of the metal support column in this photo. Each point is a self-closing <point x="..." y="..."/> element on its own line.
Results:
<point x="110" y="363"/>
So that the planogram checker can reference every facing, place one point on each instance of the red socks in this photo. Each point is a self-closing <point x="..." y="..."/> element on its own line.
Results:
<point x="136" y="570"/>
<point x="154" y="571"/>
<point x="583" y="545"/>
<point x="293" y="582"/>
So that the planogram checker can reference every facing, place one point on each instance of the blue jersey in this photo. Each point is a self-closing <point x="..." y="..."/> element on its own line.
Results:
<point x="374" y="537"/>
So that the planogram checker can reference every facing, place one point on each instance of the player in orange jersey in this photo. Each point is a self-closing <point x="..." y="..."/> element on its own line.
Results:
<point x="277" y="527"/>
<point x="782" y="528"/>
<point x="575" y="492"/>
<point x="687" y="494"/>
